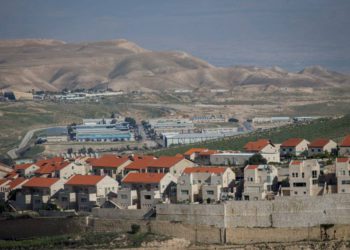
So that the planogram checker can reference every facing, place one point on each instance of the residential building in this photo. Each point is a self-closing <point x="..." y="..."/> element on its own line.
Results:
<point x="321" y="146"/>
<point x="7" y="185"/>
<point x="193" y="153"/>
<point x="265" y="148"/>
<point x="164" y="164"/>
<point x="37" y="192"/>
<point x="344" y="146"/>
<point x="303" y="178"/>
<point x="127" y="198"/>
<point x="110" y="165"/>
<point x="4" y="170"/>
<point x="26" y="170"/>
<point x="204" y="184"/>
<point x="83" y="192"/>
<point x="204" y="156"/>
<point x="151" y="188"/>
<point x="294" y="146"/>
<point x="342" y="166"/>
<point x="258" y="181"/>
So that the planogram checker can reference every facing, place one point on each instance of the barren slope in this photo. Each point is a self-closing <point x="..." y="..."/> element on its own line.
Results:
<point x="54" y="65"/>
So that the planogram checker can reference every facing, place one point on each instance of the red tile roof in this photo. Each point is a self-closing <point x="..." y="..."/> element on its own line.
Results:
<point x="345" y="142"/>
<point x="23" y="166"/>
<point x="295" y="162"/>
<point x="38" y="182"/>
<point x="256" y="146"/>
<point x="84" y="180"/>
<point x="214" y="170"/>
<point x="342" y="160"/>
<point x="146" y="178"/>
<point x="3" y="181"/>
<point x="251" y="167"/>
<point x="208" y="152"/>
<point x="292" y="142"/>
<point x="319" y="143"/>
<point x="12" y="175"/>
<point x="161" y="162"/>
<point x="50" y="161"/>
<point x="16" y="182"/>
<point x="108" y="161"/>
<point x="194" y="150"/>
<point x="52" y="167"/>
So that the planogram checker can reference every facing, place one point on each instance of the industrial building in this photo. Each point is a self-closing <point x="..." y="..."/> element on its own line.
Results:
<point x="161" y="126"/>
<point x="177" y="139"/>
<point x="103" y="132"/>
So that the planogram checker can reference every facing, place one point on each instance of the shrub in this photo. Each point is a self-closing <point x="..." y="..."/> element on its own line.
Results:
<point x="135" y="228"/>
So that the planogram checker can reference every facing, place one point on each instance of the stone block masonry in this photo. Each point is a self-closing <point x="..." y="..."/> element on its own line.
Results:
<point x="286" y="212"/>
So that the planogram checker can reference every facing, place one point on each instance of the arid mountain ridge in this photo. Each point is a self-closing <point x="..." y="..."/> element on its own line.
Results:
<point x="52" y="65"/>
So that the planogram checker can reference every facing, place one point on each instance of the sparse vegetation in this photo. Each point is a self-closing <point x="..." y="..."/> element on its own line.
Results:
<point x="334" y="129"/>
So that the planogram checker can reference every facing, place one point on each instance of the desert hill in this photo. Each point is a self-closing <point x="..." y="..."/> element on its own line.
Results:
<point x="45" y="64"/>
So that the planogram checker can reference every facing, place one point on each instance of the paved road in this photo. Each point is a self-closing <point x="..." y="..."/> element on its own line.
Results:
<point x="26" y="139"/>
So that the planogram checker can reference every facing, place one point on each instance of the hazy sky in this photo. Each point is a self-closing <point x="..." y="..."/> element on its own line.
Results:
<point x="291" y="34"/>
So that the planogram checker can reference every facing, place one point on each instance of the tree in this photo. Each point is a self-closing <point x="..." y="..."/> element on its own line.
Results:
<point x="112" y="115"/>
<point x="275" y="186"/>
<point x="90" y="150"/>
<point x="131" y="121"/>
<point x="257" y="159"/>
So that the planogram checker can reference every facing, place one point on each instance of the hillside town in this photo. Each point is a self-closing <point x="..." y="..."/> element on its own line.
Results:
<point x="261" y="171"/>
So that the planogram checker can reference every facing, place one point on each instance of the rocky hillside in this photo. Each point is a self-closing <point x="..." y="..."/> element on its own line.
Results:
<point x="120" y="64"/>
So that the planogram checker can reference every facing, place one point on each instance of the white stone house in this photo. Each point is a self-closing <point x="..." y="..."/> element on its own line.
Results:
<point x="83" y="192"/>
<point x="37" y="192"/>
<point x="303" y="178"/>
<point x="321" y="146"/>
<point x="294" y="146"/>
<point x="26" y="170"/>
<point x="111" y="165"/>
<point x="344" y="146"/>
<point x="205" y="184"/>
<point x="266" y="148"/>
<point x="342" y="166"/>
<point x="151" y="188"/>
<point x="258" y="180"/>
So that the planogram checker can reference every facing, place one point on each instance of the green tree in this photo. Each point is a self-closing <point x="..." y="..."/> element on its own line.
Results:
<point x="257" y="159"/>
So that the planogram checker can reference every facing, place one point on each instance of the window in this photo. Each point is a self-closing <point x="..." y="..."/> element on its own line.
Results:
<point x="319" y="150"/>
<point x="343" y="172"/>
<point x="312" y="150"/>
<point x="296" y="175"/>
<point x="299" y="184"/>
<point x="302" y="175"/>
<point x="293" y="175"/>
<point x="345" y="182"/>
<point x="290" y="150"/>
<point x="124" y="196"/>
<point x="184" y="192"/>
<point x="64" y="199"/>
<point x="314" y="174"/>
<point x="210" y="192"/>
<point x="83" y="200"/>
<point x="148" y="197"/>
<point x="295" y="192"/>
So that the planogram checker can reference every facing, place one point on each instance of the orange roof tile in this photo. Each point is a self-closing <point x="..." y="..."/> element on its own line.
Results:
<point x="292" y="142"/>
<point x="16" y="182"/>
<point x="48" y="169"/>
<point x="345" y="142"/>
<point x="256" y="146"/>
<point x="38" y="182"/>
<point x="295" y="162"/>
<point x="208" y="152"/>
<point x="143" y="178"/>
<point x="161" y="162"/>
<point x="251" y="167"/>
<point x="108" y="161"/>
<point x="50" y="161"/>
<point x="319" y="143"/>
<point x="342" y="160"/>
<point x="23" y="166"/>
<point x="194" y="150"/>
<point x="84" y="180"/>
<point x="214" y="170"/>
<point x="12" y="175"/>
<point x="3" y="181"/>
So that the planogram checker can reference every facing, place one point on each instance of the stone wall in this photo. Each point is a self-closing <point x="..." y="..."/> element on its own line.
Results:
<point x="286" y="212"/>
<point x="126" y="214"/>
